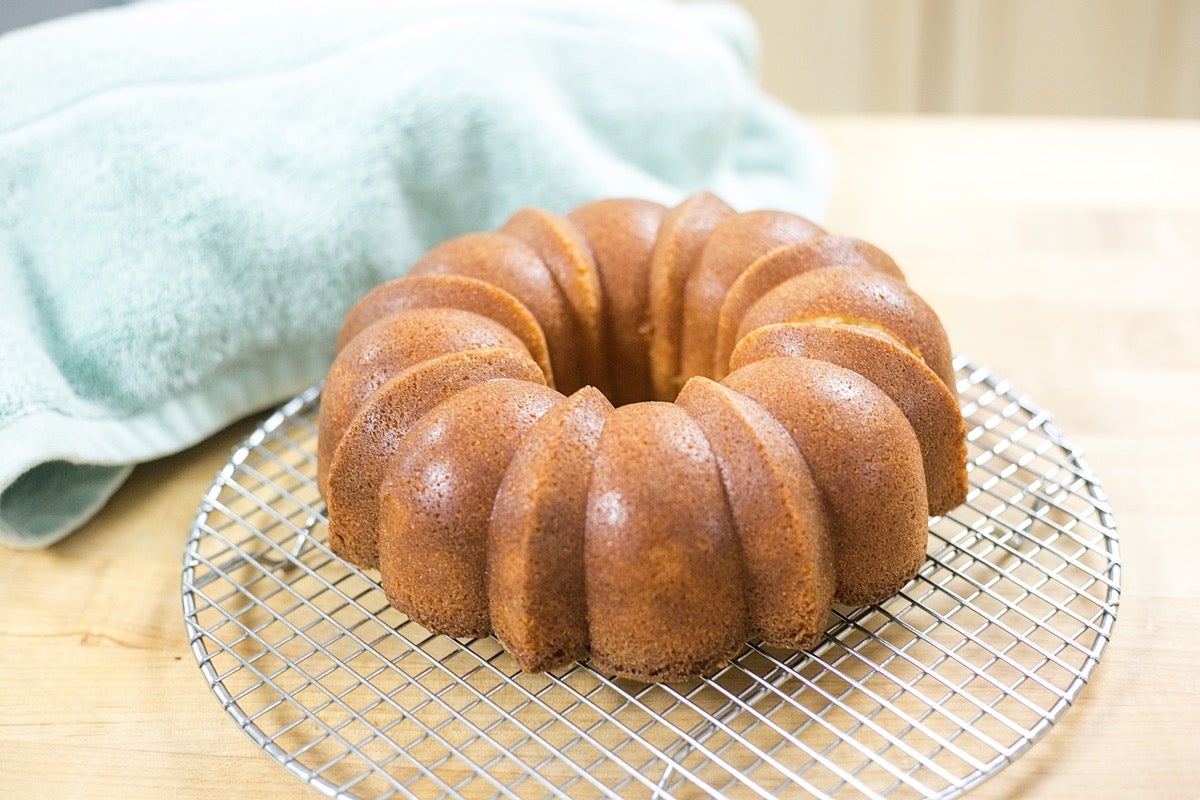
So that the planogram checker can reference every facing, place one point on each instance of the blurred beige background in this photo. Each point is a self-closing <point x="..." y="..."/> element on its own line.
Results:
<point x="1091" y="57"/>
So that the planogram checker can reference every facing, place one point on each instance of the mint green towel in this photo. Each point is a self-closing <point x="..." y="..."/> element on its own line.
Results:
<point x="192" y="194"/>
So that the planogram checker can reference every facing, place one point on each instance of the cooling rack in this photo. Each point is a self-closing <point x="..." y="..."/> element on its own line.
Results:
<point x="923" y="696"/>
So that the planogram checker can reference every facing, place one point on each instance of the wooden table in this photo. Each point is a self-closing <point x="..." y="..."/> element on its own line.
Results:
<point x="1064" y="254"/>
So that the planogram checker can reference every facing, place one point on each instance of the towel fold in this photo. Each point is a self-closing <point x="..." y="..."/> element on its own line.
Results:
<point x="192" y="194"/>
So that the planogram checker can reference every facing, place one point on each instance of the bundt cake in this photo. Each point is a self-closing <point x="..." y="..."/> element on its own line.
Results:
<point x="640" y="435"/>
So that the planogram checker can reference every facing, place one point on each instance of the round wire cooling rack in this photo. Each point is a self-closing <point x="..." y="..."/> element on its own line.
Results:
<point x="923" y="696"/>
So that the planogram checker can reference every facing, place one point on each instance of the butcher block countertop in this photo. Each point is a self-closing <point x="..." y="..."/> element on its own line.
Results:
<point x="1064" y="254"/>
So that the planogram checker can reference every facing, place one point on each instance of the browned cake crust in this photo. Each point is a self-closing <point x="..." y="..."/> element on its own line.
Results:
<point x="858" y="296"/>
<point x="783" y="263"/>
<point x="437" y="504"/>
<point x="663" y="576"/>
<point x="401" y="341"/>
<point x="681" y="238"/>
<point x="865" y="461"/>
<point x="656" y="537"/>
<point x="361" y="459"/>
<point x="777" y="512"/>
<point x="734" y="244"/>
<point x="930" y="408"/>
<point x="568" y="256"/>
<point x="513" y="266"/>
<point x="448" y="291"/>
<point x="536" y="582"/>
<point x="622" y="235"/>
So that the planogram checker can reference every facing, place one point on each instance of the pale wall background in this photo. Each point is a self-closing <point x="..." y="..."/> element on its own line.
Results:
<point x="1093" y="57"/>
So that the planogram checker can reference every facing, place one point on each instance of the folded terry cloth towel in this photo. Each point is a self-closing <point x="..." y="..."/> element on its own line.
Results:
<point x="193" y="193"/>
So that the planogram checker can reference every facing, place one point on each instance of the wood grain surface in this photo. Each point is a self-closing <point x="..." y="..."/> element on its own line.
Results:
<point x="1064" y="254"/>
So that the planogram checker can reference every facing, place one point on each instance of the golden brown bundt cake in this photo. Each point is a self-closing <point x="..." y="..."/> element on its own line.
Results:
<point x="734" y="244"/>
<point x="930" y="408"/>
<point x="352" y="491"/>
<point x="786" y="262"/>
<point x="536" y="589"/>
<point x="866" y="463"/>
<point x="858" y="297"/>
<point x="448" y="291"/>
<point x="681" y="237"/>
<point x="664" y="588"/>
<point x="653" y="537"/>
<point x="777" y="512"/>
<point x="515" y="267"/>
<point x="436" y="502"/>
<point x="566" y="253"/>
<point x="393" y="345"/>
<point x="622" y="235"/>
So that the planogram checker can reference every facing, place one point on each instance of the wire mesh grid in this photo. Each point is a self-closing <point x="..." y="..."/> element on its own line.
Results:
<point x="923" y="696"/>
